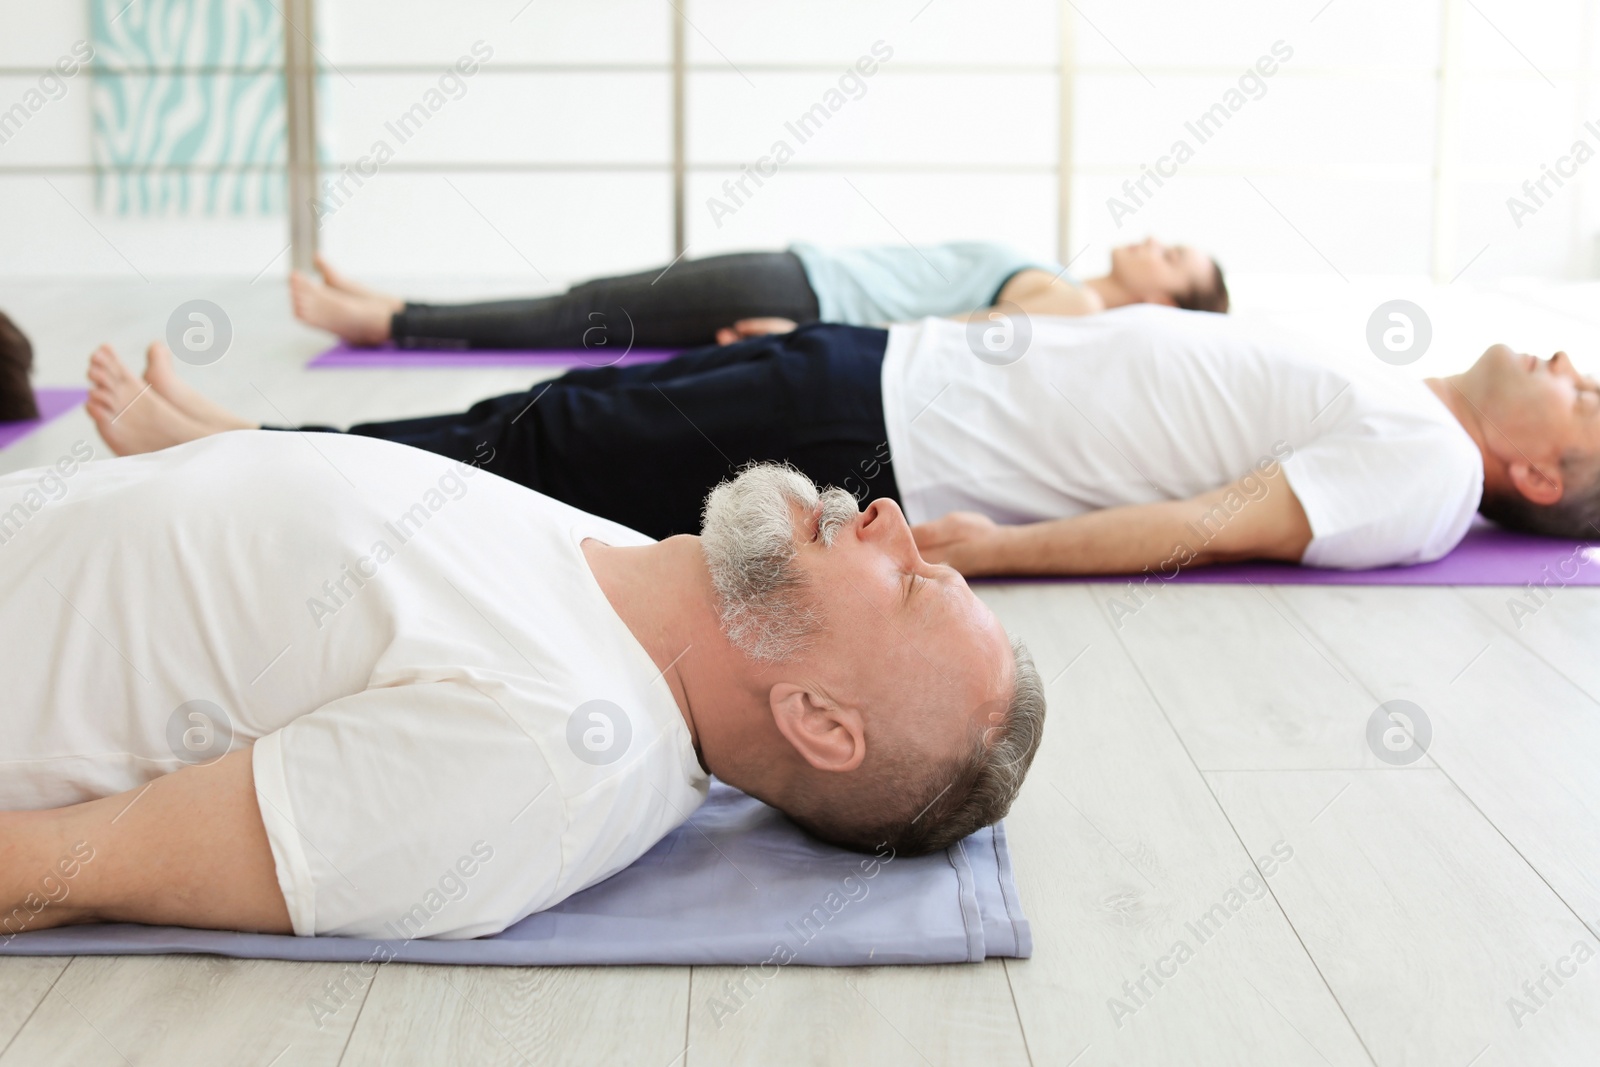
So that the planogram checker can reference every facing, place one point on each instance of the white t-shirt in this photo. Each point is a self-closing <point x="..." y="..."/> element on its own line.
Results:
<point x="412" y="645"/>
<point x="1148" y="403"/>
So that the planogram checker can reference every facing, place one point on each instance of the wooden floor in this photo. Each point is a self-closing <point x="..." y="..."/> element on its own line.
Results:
<point x="1211" y="749"/>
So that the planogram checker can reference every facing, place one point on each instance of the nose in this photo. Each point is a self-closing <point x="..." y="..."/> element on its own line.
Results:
<point x="885" y="524"/>
<point x="1562" y="364"/>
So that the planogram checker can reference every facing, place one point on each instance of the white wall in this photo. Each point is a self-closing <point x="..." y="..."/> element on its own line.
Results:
<point x="1387" y="144"/>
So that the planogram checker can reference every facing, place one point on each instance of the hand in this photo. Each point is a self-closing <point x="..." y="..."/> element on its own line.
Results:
<point x="753" y="328"/>
<point x="964" y="540"/>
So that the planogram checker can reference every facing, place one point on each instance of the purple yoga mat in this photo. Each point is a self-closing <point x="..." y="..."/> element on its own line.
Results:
<point x="1488" y="555"/>
<point x="390" y="357"/>
<point x="52" y="403"/>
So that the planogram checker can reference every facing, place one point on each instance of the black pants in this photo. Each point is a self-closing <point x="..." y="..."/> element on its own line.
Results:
<point x="643" y="444"/>
<point x="674" y="307"/>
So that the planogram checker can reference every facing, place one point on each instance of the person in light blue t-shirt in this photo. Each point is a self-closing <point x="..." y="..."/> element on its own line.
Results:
<point x="721" y="299"/>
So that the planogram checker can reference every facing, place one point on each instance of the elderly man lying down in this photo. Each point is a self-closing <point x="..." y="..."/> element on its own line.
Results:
<point x="428" y="675"/>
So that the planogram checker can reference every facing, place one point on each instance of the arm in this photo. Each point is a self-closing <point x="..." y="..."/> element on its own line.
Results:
<point x="188" y="849"/>
<point x="754" y="328"/>
<point x="1038" y="292"/>
<point x="1256" y="517"/>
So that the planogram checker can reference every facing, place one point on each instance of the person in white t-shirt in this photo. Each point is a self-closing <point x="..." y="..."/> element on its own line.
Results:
<point x="261" y="682"/>
<point x="1149" y="440"/>
<point x="1141" y="439"/>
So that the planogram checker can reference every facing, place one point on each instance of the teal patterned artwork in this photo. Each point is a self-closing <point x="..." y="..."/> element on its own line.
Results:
<point x="188" y="107"/>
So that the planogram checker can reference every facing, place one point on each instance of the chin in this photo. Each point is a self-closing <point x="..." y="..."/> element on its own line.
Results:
<point x="1499" y="363"/>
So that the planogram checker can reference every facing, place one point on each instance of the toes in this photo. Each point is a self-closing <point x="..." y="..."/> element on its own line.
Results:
<point x="302" y="291"/>
<point x="332" y="277"/>
<point x="107" y="362"/>
<point x="100" y="407"/>
<point x="103" y="376"/>
<point x="157" y="359"/>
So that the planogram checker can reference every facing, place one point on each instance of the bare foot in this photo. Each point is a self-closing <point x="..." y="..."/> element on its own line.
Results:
<point x="342" y="282"/>
<point x="357" y="320"/>
<point x="159" y="372"/>
<point x="131" y="416"/>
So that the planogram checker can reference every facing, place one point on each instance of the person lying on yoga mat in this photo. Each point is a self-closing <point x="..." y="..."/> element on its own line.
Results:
<point x="1141" y="438"/>
<point x="720" y="299"/>
<point x="359" y="689"/>
<point x="17" y="401"/>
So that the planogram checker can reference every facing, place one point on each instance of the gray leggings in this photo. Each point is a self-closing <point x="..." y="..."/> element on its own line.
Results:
<point x="676" y="307"/>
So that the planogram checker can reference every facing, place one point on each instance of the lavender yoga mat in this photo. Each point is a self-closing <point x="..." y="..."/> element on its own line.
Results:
<point x="1488" y="555"/>
<point x="390" y="357"/>
<point x="52" y="403"/>
<point x="738" y="884"/>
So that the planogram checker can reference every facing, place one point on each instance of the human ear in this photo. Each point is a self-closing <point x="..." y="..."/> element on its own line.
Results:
<point x="1542" y="486"/>
<point x="827" y="736"/>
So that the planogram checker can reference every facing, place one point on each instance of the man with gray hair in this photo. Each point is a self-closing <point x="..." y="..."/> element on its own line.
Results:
<point x="257" y="686"/>
<point x="1144" y="439"/>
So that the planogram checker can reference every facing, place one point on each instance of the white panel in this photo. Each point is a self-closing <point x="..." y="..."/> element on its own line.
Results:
<point x="527" y="31"/>
<point x="838" y="31"/>
<point x="1545" y="244"/>
<point x="1284" y="121"/>
<point x="1509" y="126"/>
<point x="45" y="130"/>
<point x="51" y="233"/>
<point x="501" y="117"/>
<point x="878" y="209"/>
<point x="36" y="34"/>
<point x="1518" y="36"/>
<point x="546" y="228"/>
<point x="888" y="117"/>
<point x="1157" y="33"/>
<point x="1360" y="226"/>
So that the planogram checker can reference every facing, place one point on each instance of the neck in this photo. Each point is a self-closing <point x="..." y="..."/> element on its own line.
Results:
<point x="1112" y="293"/>
<point x="663" y="594"/>
<point x="1453" y="393"/>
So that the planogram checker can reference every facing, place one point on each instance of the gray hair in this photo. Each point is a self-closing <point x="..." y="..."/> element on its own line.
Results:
<point x="1576" y="515"/>
<point x="749" y="540"/>
<point x="895" y="800"/>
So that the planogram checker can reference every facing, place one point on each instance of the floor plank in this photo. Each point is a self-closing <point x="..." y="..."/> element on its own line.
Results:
<point x="1245" y="683"/>
<point x="24" y="981"/>
<point x="1518" y="738"/>
<point x="889" y="1016"/>
<point x="1558" y="624"/>
<point x="117" y="1010"/>
<point x="1120" y="846"/>
<point x="1424" y="920"/>
<point x="522" y="1016"/>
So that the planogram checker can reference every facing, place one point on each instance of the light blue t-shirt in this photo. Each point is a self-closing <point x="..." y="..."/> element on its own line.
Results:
<point x="868" y="286"/>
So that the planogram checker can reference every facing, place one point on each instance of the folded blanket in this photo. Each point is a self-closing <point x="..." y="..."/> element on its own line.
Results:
<point x="737" y="884"/>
